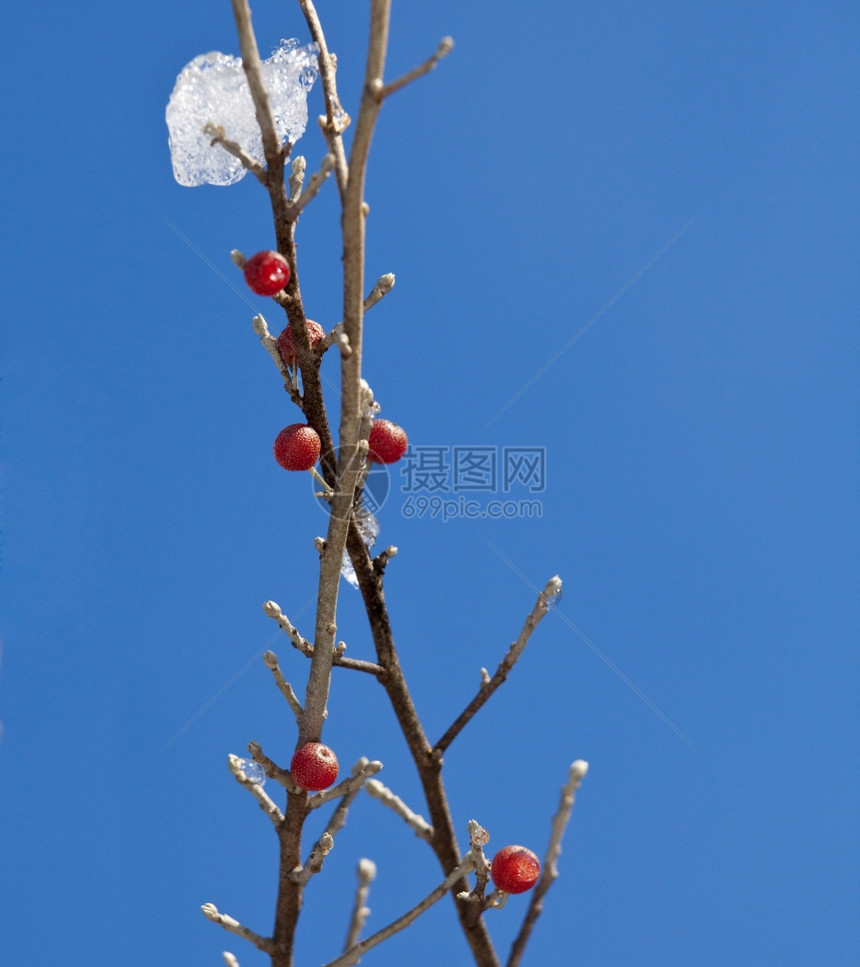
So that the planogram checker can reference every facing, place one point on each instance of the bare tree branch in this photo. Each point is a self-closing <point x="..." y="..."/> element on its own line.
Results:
<point x="446" y="45"/>
<point x="313" y="186"/>
<point x="384" y="285"/>
<point x="301" y="644"/>
<point x="487" y="688"/>
<point x="387" y="798"/>
<point x="253" y="71"/>
<point x="336" y="119"/>
<point x="218" y="135"/>
<point x="549" y="870"/>
<point x="210" y="911"/>
<point x="273" y="770"/>
<point x="355" y="953"/>
<point x="360" y="911"/>
<point x="478" y="839"/>
<point x="428" y="766"/>
<point x="361" y="772"/>
<point x="270" y="659"/>
<point x="313" y="864"/>
<point x="256" y="790"/>
<point x="349" y="455"/>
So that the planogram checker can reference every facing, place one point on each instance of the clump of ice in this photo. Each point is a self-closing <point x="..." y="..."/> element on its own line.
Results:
<point x="213" y="89"/>
<point x="368" y="527"/>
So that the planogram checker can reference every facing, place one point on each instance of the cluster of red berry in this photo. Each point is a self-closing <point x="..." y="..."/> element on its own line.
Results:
<point x="297" y="446"/>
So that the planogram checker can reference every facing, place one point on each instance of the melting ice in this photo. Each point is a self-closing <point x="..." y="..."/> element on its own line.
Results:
<point x="213" y="89"/>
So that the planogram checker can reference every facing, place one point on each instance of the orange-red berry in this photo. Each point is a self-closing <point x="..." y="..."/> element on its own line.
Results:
<point x="287" y="346"/>
<point x="314" y="766"/>
<point x="266" y="273"/>
<point x="386" y="443"/>
<point x="297" y="447"/>
<point x="515" y="869"/>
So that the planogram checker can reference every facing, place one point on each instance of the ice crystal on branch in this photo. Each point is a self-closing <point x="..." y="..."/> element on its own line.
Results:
<point x="213" y="89"/>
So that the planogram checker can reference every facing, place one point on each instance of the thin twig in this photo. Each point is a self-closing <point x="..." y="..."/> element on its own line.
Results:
<point x="301" y="644"/>
<point x="336" y="119"/>
<point x="253" y="71"/>
<point x="270" y="344"/>
<point x="256" y="790"/>
<point x="350" y="460"/>
<point x="273" y="770"/>
<point x="355" y="953"/>
<point x="218" y="135"/>
<point x="553" y="587"/>
<point x="444" y="842"/>
<point x="383" y="286"/>
<point x="446" y="45"/>
<point x="361" y="772"/>
<point x="549" y="871"/>
<point x="380" y="562"/>
<point x="297" y="176"/>
<point x="210" y="911"/>
<point x="313" y="864"/>
<point x="478" y="839"/>
<point x="358" y="665"/>
<point x="360" y="911"/>
<point x="381" y="792"/>
<point x="270" y="659"/>
<point x="313" y="186"/>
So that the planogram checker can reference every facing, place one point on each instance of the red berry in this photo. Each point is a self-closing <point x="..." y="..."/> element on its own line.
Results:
<point x="297" y="447"/>
<point x="387" y="442"/>
<point x="515" y="869"/>
<point x="287" y="347"/>
<point x="267" y="273"/>
<point x="314" y="766"/>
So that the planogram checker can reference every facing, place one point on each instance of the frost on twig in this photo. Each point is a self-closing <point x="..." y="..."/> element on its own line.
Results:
<point x="549" y="870"/>
<point x="315" y="860"/>
<point x="356" y="952"/>
<point x="446" y="45"/>
<point x="299" y="643"/>
<point x="256" y="789"/>
<point x="361" y="772"/>
<point x="270" y="659"/>
<point x="552" y="589"/>
<point x="266" y="944"/>
<point x="360" y="911"/>
<point x="422" y="828"/>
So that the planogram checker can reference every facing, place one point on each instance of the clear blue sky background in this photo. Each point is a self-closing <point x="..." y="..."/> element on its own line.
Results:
<point x="700" y="502"/>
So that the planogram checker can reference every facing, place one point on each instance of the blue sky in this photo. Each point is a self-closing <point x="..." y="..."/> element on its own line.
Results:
<point x="700" y="497"/>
